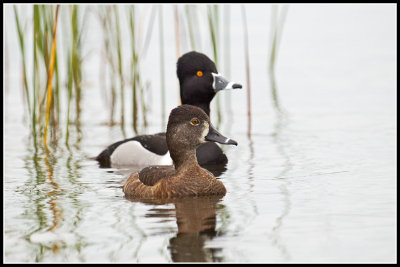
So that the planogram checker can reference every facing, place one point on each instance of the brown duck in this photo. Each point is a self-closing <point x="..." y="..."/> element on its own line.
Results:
<point x="188" y="127"/>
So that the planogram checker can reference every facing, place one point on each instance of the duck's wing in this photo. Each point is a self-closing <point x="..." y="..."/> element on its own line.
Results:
<point x="156" y="143"/>
<point x="151" y="175"/>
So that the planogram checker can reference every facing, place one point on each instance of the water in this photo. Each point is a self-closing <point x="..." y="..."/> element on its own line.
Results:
<point x="317" y="184"/>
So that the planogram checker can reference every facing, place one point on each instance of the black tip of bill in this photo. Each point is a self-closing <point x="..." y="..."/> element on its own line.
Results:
<point x="236" y="86"/>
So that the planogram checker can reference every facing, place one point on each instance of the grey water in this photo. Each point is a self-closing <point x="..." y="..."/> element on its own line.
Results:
<point x="314" y="183"/>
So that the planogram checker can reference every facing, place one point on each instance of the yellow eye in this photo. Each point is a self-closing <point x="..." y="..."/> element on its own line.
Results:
<point x="195" y="122"/>
<point x="199" y="73"/>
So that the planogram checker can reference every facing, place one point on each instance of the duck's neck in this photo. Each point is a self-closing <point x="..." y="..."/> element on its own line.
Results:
<point x="205" y="107"/>
<point x="184" y="160"/>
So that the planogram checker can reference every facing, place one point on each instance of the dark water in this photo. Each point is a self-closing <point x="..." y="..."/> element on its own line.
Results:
<point x="315" y="184"/>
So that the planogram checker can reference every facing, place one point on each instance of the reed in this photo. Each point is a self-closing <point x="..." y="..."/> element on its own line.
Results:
<point x="162" y="69"/>
<point x="189" y="13"/>
<point x="213" y="23"/>
<point x="139" y="51"/>
<point x="31" y="110"/>
<point x="22" y="48"/>
<point x="177" y="40"/>
<point x="44" y="72"/>
<point x="104" y="15"/>
<point x="112" y="25"/>
<point x="277" y="22"/>
<point x="141" y="55"/>
<point x="227" y="56"/>
<point x="134" y="71"/>
<point x="50" y="77"/>
<point x="43" y="92"/>
<point x="120" y="63"/>
<point x="246" y="53"/>
<point x="74" y="66"/>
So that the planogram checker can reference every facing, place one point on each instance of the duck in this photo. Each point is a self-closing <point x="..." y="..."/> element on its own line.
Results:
<point x="188" y="127"/>
<point x="199" y="82"/>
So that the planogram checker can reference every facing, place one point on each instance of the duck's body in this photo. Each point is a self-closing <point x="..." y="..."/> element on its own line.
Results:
<point x="166" y="182"/>
<point x="188" y="127"/>
<point x="146" y="150"/>
<point x="199" y="82"/>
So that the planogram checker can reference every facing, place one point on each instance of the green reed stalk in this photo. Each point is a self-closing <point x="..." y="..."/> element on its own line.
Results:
<point x="22" y="47"/>
<point x="213" y="26"/>
<point x="6" y="64"/>
<point x="144" y="108"/>
<point x="36" y="78"/>
<point x="162" y="69"/>
<point x="177" y="41"/>
<point x="149" y="32"/>
<point x="276" y="32"/>
<point x="214" y="31"/>
<point x="69" y="88"/>
<point x="76" y="61"/>
<point x="121" y="76"/>
<point x="189" y="13"/>
<point x="134" y="68"/>
<point x="105" y="19"/>
<point x="246" y="52"/>
<point x="227" y="55"/>
<point x="43" y="23"/>
<point x="50" y="76"/>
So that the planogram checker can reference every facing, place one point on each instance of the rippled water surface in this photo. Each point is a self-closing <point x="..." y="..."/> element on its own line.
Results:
<point x="315" y="184"/>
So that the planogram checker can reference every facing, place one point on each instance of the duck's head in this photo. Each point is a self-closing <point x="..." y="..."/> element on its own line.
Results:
<point x="199" y="80"/>
<point x="189" y="126"/>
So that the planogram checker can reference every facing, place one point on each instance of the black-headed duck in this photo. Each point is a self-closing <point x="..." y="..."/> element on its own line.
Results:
<point x="188" y="127"/>
<point x="199" y="81"/>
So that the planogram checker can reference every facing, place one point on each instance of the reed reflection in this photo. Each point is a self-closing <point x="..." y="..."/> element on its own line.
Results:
<point x="196" y="221"/>
<point x="48" y="220"/>
<point x="52" y="192"/>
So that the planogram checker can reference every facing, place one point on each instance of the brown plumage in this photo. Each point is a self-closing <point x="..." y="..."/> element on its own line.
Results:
<point x="188" y="127"/>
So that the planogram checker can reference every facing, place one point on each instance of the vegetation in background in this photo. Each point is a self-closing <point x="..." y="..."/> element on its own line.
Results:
<point x="42" y="82"/>
<point x="41" y="87"/>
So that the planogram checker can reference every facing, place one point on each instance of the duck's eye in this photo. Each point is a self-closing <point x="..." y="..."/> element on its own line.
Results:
<point x="195" y="121"/>
<point x="199" y="73"/>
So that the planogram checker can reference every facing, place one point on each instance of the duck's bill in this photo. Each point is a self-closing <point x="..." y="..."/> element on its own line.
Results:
<point x="214" y="136"/>
<point x="220" y="83"/>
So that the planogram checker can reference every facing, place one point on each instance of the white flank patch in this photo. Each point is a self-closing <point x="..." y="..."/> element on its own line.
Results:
<point x="132" y="153"/>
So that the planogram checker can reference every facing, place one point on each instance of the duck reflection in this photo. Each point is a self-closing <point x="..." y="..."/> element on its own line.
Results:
<point x="196" y="220"/>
